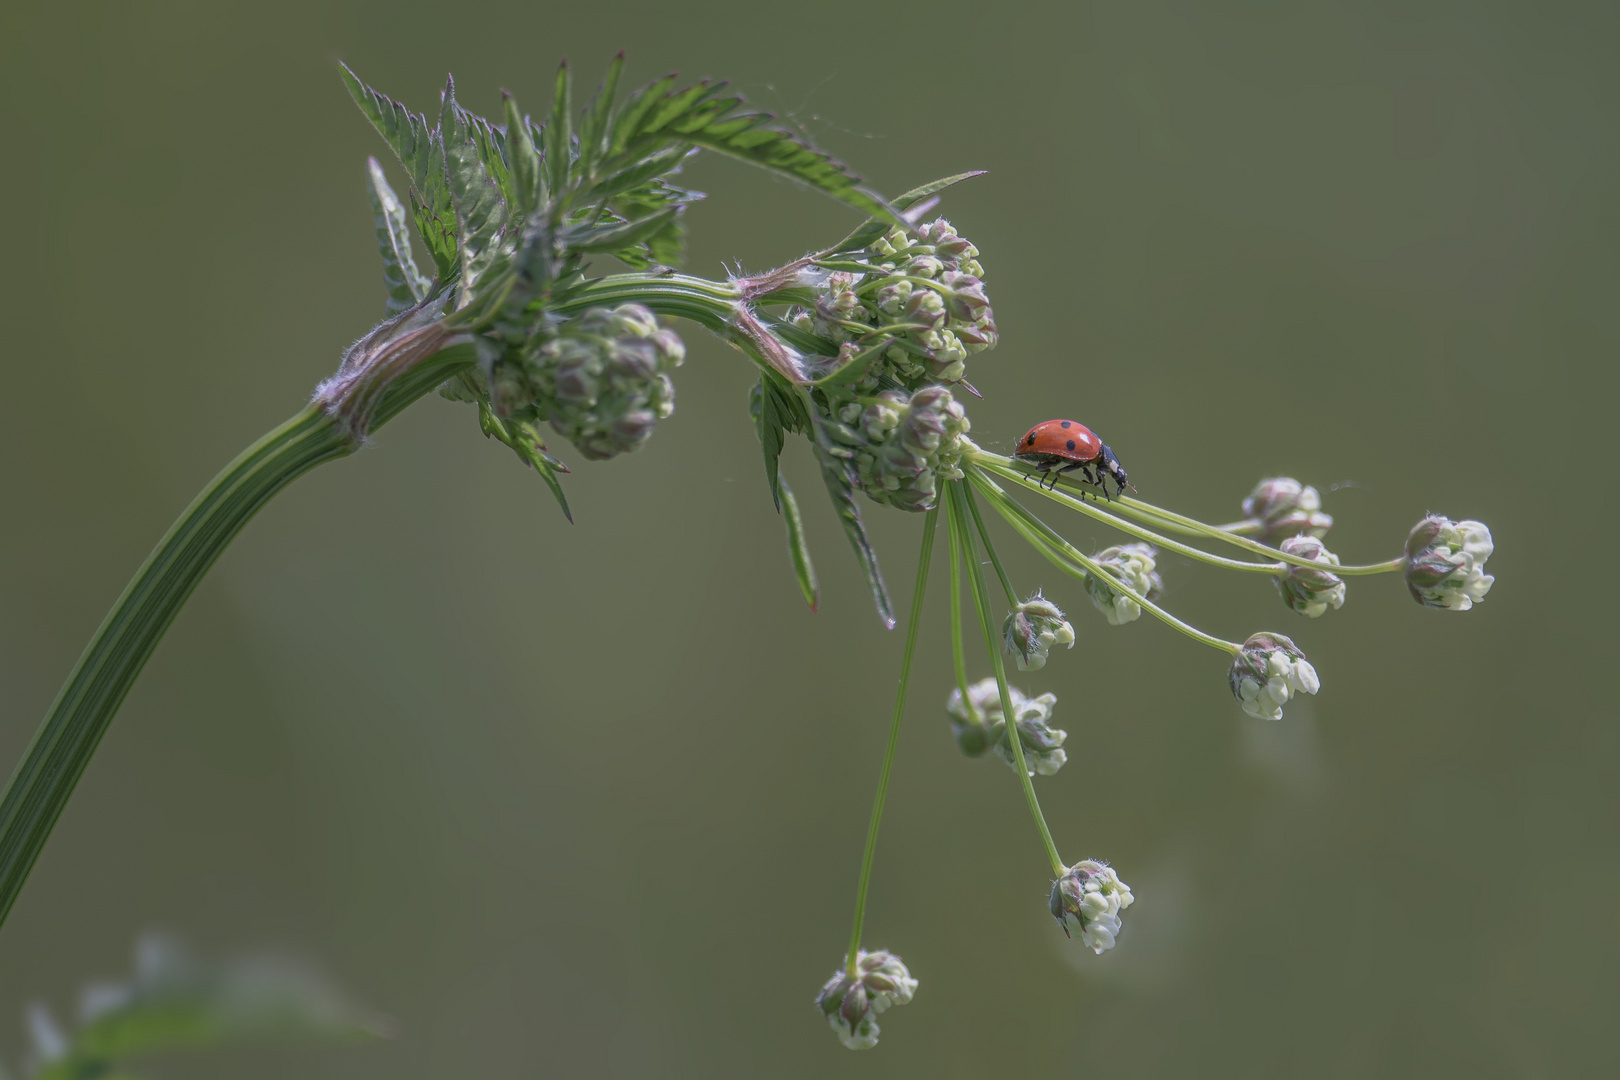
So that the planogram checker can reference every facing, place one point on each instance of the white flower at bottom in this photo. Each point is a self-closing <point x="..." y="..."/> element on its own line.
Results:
<point x="1281" y="506"/>
<point x="979" y="724"/>
<point x="1267" y="672"/>
<point x="1032" y="628"/>
<point x="851" y="1002"/>
<point x="1445" y="563"/>
<point x="1087" y="901"/>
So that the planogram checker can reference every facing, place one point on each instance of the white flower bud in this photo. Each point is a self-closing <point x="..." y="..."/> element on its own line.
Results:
<point x="1307" y="591"/>
<point x="979" y="724"/>
<point x="1132" y="565"/>
<point x="1284" y="507"/>
<point x="1032" y="628"/>
<point x="1087" y="901"/>
<point x="1445" y="563"/>
<point x="1267" y="672"/>
<point x="851" y="1003"/>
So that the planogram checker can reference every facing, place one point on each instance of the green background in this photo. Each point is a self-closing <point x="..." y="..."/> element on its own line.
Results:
<point x="588" y="800"/>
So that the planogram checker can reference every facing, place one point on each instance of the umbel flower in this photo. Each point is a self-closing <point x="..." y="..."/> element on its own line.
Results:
<point x="861" y="348"/>
<point x="856" y="995"/>
<point x="1086" y="901"/>
<point x="1445" y="563"/>
<point x="978" y="722"/>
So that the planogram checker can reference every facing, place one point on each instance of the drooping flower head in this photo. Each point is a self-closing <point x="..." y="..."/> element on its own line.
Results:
<point x="1132" y="565"/>
<point x="1032" y="628"/>
<point x="1307" y="590"/>
<point x="852" y="1003"/>
<point x="979" y="724"/>
<point x="1284" y="507"/>
<point x="1267" y="672"/>
<point x="903" y="446"/>
<point x="1445" y="563"/>
<point x="1087" y="901"/>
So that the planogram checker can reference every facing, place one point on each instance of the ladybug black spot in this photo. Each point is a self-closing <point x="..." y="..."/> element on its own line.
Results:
<point x="1032" y="440"/>
<point x="1066" y="424"/>
<point x="1071" y="441"/>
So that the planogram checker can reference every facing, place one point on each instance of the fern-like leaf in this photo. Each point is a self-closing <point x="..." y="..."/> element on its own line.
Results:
<point x="524" y="161"/>
<point x="480" y="212"/>
<point x="595" y="127"/>
<point x="559" y="137"/>
<point x="836" y="473"/>
<point x="405" y="282"/>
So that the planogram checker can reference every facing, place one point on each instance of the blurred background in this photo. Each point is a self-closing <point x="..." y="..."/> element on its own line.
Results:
<point x="589" y="800"/>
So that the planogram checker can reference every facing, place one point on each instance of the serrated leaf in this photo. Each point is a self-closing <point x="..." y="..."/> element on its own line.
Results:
<point x="619" y="234"/>
<point x="666" y="246"/>
<point x="836" y="474"/>
<point x="480" y="212"/>
<point x="404" y="281"/>
<point x="798" y="548"/>
<point x="491" y="143"/>
<point x="595" y="128"/>
<point x="525" y="441"/>
<point x="525" y="162"/>
<point x="873" y="229"/>
<point x="559" y="137"/>
<point x="418" y="148"/>
<point x="772" y="433"/>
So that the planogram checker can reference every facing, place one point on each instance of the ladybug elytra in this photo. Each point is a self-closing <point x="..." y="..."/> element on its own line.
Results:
<point x="1055" y="447"/>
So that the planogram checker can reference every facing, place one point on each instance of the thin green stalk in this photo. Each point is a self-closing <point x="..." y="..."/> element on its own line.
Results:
<point x="1170" y="520"/>
<point x="958" y="659"/>
<point x="995" y="560"/>
<point x="68" y="736"/>
<point x="1039" y="533"/>
<point x="912" y="623"/>
<point x="961" y="500"/>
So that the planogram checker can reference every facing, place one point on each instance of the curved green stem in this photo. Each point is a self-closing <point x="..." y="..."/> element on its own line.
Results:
<point x="995" y="559"/>
<point x="913" y="621"/>
<point x="1043" y="536"/>
<point x="66" y="740"/>
<point x="961" y="506"/>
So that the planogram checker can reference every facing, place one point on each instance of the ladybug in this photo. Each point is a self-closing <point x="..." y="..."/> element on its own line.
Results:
<point x="1055" y="447"/>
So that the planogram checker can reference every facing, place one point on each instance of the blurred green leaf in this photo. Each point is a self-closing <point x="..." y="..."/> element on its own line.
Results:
<point x="526" y="443"/>
<point x="874" y="228"/>
<point x="797" y="546"/>
<point x="558" y="136"/>
<point x="595" y="128"/>
<point x="524" y="161"/>
<point x="405" y="282"/>
<point x="835" y="473"/>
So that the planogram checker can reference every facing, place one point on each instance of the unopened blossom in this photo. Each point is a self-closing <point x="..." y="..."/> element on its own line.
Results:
<point x="903" y="446"/>
<point x="1445" y="563"/>
<point x="1284" y="507"/>
<point x="851" y="1003"/>
<point x="1305" y="589"/>
<point x="1032" y="628"/>
<point x="979" y="724"/>
<point x="1087" y="901"/>
<point x="1267" y="672"/>
<point x="1131" y="565"/>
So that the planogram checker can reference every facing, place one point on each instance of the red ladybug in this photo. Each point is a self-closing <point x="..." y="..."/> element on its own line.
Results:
<point x="1058" y="446"/>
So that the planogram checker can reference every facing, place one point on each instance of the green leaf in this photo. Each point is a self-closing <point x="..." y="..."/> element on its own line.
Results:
<point x="491" y="143"/>
<point x="619" y="234"/>
<point x="873" y="229"/>
<point x="667" y="246"/>
<point x="836" y="473"/>
<point x="595" y="128"/>
<point x="525" y="161"/>
<point x="659" y="116"/>
<point x="526" y="443"/>
<point x="772" y="433"/>
<point x="405" y="282"/>
<point x="480" y="212"/>
<point x="558" y="136"/>
<point x="418" y="148"/>
<point x="797" y="546"/>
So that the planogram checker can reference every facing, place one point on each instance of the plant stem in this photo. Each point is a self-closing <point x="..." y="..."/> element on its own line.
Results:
<point x="958" y="660"/>
<point x="1042" y="535"/>
<point x="961" y="500"/>
<point x="913" y="621"/>
<point x="68" y="736"/>
<point x="995" y="560"/>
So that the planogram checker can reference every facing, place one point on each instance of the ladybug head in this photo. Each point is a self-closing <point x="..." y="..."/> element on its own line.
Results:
<point x="1109" y="465"/>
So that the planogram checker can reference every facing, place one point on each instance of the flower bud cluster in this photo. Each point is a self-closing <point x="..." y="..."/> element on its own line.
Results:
<point x="1132" y="565"/>
<point x="979" y="723"/>
<point x="925" y="293"/>
<point x="1032" y="628"/>
<point x="851" y="1003"/>
<point x="1267" y="672"/>
<point x="1304" y="589"/>
<point x="903" y="445"/>
<point x="1445" y="563"/>
<point x="1284" y="507"/>
<point x="602" y="379"/>
<point x="1087" y="901"/>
